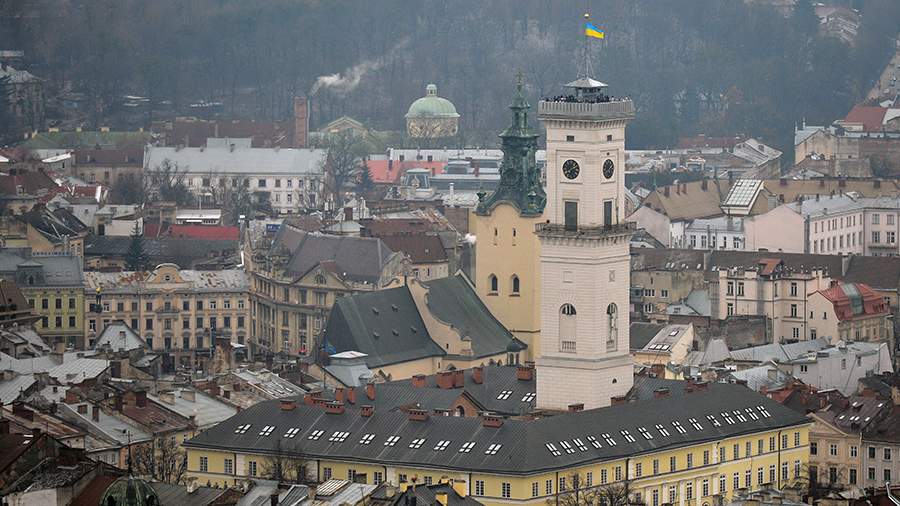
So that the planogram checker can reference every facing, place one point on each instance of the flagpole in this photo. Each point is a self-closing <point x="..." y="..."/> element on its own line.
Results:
<point x="586" y="69"/>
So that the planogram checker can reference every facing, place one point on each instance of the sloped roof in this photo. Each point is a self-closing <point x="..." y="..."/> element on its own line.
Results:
<point x="118" y="335"/>
<point x="852" y="300"/>
<point x="522" y="443"/>
<point x="248" y="161"/>
<point x="871" y="117"/>
<point x="359" y="259"/>
<point x="213" y="232"/>
<point x="688" y="201"/>
<point x="421" y="248"/>
<point x="641" y="333"/>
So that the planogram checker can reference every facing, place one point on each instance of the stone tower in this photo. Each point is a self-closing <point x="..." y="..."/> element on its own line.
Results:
<point x="584" y="250"/>
<point x="506" y="253"/>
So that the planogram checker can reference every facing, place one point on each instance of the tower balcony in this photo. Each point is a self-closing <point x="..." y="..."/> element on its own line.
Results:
<point x="569" y="108"/>
<point x="559" y="230"/>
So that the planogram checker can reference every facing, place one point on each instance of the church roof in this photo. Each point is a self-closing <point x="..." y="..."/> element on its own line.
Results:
<point x="432" y="106"/>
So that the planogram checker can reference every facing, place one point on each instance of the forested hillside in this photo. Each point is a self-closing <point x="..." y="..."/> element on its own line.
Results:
<point x="720" y="67"/>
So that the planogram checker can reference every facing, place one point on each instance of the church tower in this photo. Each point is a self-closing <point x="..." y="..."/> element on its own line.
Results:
<point x="506" y="250"/>
<point x="584" y="250"/>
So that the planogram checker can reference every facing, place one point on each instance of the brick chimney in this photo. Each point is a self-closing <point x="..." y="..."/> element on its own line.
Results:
<point x="71" y="396"/>
<point x="619" y="399"/>
<point x="489" y="420"/>
<point x="478" y="375"/>
<point x="459" y="378"/>
<point x="288" y="404"/>
<point x="339" y="394"/>
<point x="445" y="380"/>
<point x="574" y="408"/>
<point x="334" y="408"/>
<point x="418" y="381"/>
<point x="367" y="410"/>
<point x="418" y="415"/>
<point x="95" y="413"/>
<point x="370" y="391"/>
<point x="351" y="396"/>
<point x="301" y="122"/>
<point x="524" y="373"/>
<point x="140" y="399"/>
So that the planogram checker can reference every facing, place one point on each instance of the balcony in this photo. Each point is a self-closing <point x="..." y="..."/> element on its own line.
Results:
<point x="616" y="109"/>
<point x="584" y="231"/>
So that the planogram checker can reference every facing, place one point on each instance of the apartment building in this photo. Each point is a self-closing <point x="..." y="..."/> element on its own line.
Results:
<point x="850" y="312"/>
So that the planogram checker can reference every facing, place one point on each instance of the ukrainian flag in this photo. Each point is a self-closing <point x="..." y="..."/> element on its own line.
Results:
<point x="592" y="31"/>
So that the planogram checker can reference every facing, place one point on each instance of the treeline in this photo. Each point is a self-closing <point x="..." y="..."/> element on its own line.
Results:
<point x="715" y="66"/>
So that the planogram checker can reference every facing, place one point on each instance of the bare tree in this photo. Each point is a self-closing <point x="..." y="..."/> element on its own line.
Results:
<point x="580" y="493"/>
<point x="162" y="459"/>
<point x="343" y="161"/>
<point x="167" y="182"/>
<point x="284" y="468"/>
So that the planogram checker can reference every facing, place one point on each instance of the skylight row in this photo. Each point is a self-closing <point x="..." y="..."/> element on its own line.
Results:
<point x="502" y="396"/>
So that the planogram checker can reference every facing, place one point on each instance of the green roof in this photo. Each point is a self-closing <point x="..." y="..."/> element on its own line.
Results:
<point x="432" y="106"/>
<point x="86" y="140"/>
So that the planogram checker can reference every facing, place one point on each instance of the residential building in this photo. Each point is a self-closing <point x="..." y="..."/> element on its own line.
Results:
<point x="661" y="278"/>
<point x="671" y="344"/>
<point x="420" y="328"/>
<point x="26" y="97"/>
<point x="287" y="179"/>
<point x="881" y="444"/>
<point x="109" y="166"/>
<point x="203" y="410"/>
<point x="53" y="286"/>
<point x="773" y="289"/>
<point x="108" y="253"/>
<point x="849" y="312"/>
<point x="689" y="453"/>
<point x="296" y="277"/>
<point x="15" y="310"/>
<point x="424" y="252"/>
<point x="47" y="230"/>
<point x="177" y="312"/>
<point x="721" y="233"/>
<point x="841" y="367"/>
<point x="668" y="210"/>
<point x="507" y="276"/>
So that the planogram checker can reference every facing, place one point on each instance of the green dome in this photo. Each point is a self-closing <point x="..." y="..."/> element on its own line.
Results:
<point x="129" y="491"/>
<point x="432" y="106"/>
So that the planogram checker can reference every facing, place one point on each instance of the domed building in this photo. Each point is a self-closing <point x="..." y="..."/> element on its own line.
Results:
<point x="129" y="491"/>
<point x="431" y="116"/>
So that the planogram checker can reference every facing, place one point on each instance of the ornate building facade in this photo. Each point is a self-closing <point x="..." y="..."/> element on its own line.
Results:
<point x="584" y="251"/>
<point x="507" y="251"/>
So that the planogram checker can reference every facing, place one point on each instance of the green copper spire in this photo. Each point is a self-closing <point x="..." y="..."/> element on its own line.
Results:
<point x="520" y="181"/>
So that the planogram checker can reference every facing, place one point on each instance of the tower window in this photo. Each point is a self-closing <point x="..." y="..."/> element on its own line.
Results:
<point x="571" y="215"/>
<point x="515" y="285"/>
<point x="570" y="138"/>
<point x="612" y="335"/>
<point x="567" y="328"/>
<point x="492" y="281"/>
<point x="609" y="137"/>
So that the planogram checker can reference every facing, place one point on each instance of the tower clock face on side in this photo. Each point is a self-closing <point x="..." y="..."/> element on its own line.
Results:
<point x="570" y="169"/>
<point x="609" y="168"/>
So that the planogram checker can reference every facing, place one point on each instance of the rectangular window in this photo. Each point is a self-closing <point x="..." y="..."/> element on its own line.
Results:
<point x="740" y="288"/>
<point x="326" y="474"/>
<point x="548" y="487"/>
<point x="229" y="466"/>
<point x="535" y="489"/>
<point x="505" y="490"/>
<point x="638" y="470"/>
<point x="251" y="468"/>
<point x="854" y="451"/>
<point x="479" y="487"/>
<point x="852" y="476"/>
<point x="148" y="324"/>
<point x="672" y="464"/>
<point x="793" y="289"/>
<point x="204" y="464"/>
<point x="887" y="454"/>
<point x="571" y="215"/>
<point x="833" y="450"/>
<point x="690" y="460"/>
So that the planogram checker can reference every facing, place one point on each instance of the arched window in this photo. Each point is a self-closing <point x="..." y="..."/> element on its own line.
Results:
<point x="460" y="411"/>
<point x="612" y="334"/>
<point x="320" y="279"/>
<point x="515" y="285"/>
<point x="493" y="283"/>
<point x="567" y="328"/>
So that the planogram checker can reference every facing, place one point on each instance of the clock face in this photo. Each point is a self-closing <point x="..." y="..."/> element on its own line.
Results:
<point x="570" y="169"/>
<point x="609" y="168"/>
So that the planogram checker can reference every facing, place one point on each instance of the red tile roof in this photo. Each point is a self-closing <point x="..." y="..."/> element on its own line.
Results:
<point x="388" y="172"/>
<point x="192" y="231"/>
<point x="852" y="300"/>
<point x="871" y="117"/>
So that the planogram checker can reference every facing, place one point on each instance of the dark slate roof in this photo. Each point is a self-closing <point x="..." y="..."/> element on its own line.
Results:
<point x="169" y="249"/>
<point x="497" y="380"/>
<point x="641" y="333"/>
<point x="453" y="300"/>
<point x="645" y="387"/>
<point x="421" y="248"/>
<point x="426" y="495"/>
<point x="360" y="259"/>
<point x="170" y="494"/>
<point x="55" y="225"/>
<point x="386" y="324"/>
<point x="523" y="443"/>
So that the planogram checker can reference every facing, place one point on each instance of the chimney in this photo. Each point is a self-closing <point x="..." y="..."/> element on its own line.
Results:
<point x="273" y="499"/>
<point x="666" y="191"/>
<point x="524" y="373"/>
<point x="348" y="214"/>
<point x="140" y="399"/>
<point x="351" y="396"/>
<point x="370" y="391"/>
<point x="418" y="381"/>
<point x="301" y="122"/>
<point x="619" y="399"/>
<point x="334" y="408"/>
<point x="192" y="486"/>
<point x="288" y="404"/>
<point x="117" y="402"/>
<point x="489" y="420"/>
<point x="445" y="380"/>
<point x="417" y="415"/>
<point x="575" y="408"/>
<point x="478" y="375"/>
<point x="339" y="394"/>
<point x="459" y="378"/>
<point x="95" y="413"/>
<point x="71" y="396"/>
<point x="309" y="399"/>
<point x="367" y="410"/>
<point x="660" y="393"/>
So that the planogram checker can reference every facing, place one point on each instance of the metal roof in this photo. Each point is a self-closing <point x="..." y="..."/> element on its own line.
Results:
<point x="242" y="161"/>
